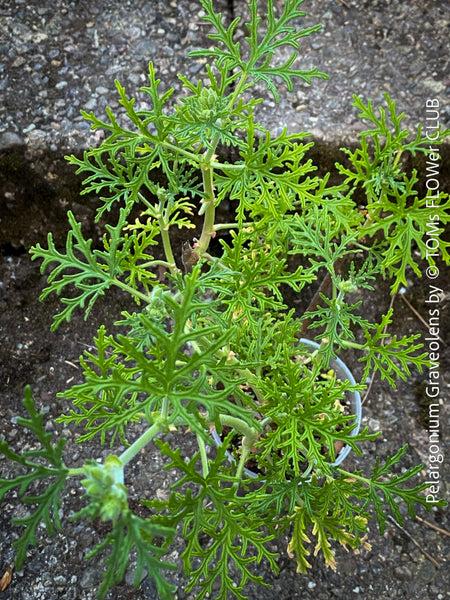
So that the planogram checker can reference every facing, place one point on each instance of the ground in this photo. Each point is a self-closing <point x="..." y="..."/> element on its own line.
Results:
<point x="31" y="354"/>
<point x="41" y="124"/>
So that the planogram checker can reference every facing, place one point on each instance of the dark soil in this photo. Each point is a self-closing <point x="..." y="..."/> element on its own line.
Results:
<point x="31" y="354"/>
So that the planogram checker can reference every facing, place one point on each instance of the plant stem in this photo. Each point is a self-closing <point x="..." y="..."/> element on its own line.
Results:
<point x="207" y="166"/>
<point x="397" y="158"/>
<point x="164" y="229"/>
<point x="250" y="379"/>
<point x="238" y="89"/>
<point x="213" y="260"/>
<point x="165" y="408"/>
<point x="354" y="476"/>
<point x="142" y="441"/>
<point x="249" y="435"/>
<point x="247" y="444"/>
<point x="226" y="166"/>
<point x="131" y="291"/>
<point x="76" y="472"/>
<point x="348" y="344"/>
<point x="209" y="200"/>
<point x="220" y="226"/>
<point x="241" y="426"/>
<point x="155" y="263"/>
<point x="204" y="458"/>
<point x="186" y="153"/>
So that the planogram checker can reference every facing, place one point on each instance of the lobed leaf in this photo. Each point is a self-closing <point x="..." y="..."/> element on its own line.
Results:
<point x="391" y="357"/>
<point x="279" y="33"/>
<point x="390" y="487"/>
<point x="43" y="464"/>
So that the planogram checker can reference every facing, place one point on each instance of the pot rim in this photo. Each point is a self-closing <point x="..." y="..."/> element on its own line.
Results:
<point x="343" y="373"/>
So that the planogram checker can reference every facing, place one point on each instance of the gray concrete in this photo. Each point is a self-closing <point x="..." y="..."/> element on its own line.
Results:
<point x="59" y="57"/>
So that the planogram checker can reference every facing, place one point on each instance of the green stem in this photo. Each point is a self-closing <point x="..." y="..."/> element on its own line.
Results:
<point x="164" y="229"/>
<point x="155" y="263"/>
<point x="247" y="444"/>
<point x="397" y="158"/>
<point x="348" y="344"/>
<point x="249" y="438"/>
<point x="250" y="379"/>
<point x="209" y="201"/>
<point x="165" y="408"/>
<point x="241" y="426"/>
<point x="142" y="441"/>
<point x="213" y="260"/>
<point x="238" y="90"/>
<point x="77" y="472"/>
<point x="220" y="226"/>
<point x="131" y="290"/>
<point x="186" y="153"/>
<point x="207" y="160"/>
<point x="227" y="166"/>
<point x="354" y="476"/>
<point x="204" y="458"/>
<point x="207" y="165"/>
<point x="144" y="200"/>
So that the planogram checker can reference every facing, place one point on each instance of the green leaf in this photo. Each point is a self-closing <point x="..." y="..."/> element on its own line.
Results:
<point x="305" y="408"/>
<point x="122" y="168"/>
<point x="42" y="464"/>
<point x="132" y="533"/>
<point x="91" y="272"/>
<point x="130" y="377"/>
<point x="272" y="178"/>
<point x="297" y="543"/>
<point x="390" y="356"/>
<point x="278" y="33"/>
<point x="391" y="488"/>
<point x="317" y="236"/>
<point x="217" y="513"/>
<point x="405" y="222"/>
<point x="393" y="206"/>
<point x="332" y="516"/>
<point x="259" y="270"/>
<point x="337" y="317"/>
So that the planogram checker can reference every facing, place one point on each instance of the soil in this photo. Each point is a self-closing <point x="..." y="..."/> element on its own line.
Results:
<point x="31" y="354"/>
<point x="37" y="190"/>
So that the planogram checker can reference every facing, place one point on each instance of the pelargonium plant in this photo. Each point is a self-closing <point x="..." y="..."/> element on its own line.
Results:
<point x="209" y="341"/>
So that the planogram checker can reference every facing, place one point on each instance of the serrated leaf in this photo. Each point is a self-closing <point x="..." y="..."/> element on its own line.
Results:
<point x="90" y="272"/>
<point x="390" y="486"/>
<point x="217" y="513"/>
<point x="297" y="543"/>
<point x="277" y="33"/>
<point x="132" y="533"/>
<point x="48" y="502"/>
<point x="390" y="356"/>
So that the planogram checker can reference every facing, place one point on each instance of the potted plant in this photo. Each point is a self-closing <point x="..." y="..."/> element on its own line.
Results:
<point x="209" y="340"/>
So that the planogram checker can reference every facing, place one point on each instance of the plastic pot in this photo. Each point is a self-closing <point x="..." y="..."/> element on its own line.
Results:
<point x="343" y="373"/>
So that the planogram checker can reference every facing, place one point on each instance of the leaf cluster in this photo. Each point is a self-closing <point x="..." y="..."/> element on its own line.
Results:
<point x="133" y="376"/>
<point x="394" y="207"/>
<point x="132" y="534"/>
<point x="306" y="407"/>
<point x="217" y="527"/>
<point x="258" y="64"/>
<point x="42" y="464"/>
<point x="209" y="340"/>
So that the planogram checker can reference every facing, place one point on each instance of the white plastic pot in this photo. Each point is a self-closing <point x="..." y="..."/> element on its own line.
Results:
<point x="343" y="373"/>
